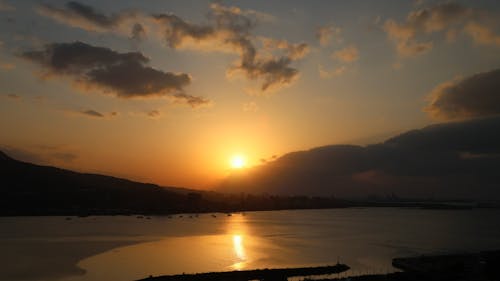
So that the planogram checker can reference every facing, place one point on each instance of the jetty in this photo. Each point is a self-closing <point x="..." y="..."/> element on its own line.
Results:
<point x="280" y="274"/>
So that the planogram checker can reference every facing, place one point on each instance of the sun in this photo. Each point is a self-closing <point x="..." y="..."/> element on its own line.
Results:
<point x="238" y="161"/>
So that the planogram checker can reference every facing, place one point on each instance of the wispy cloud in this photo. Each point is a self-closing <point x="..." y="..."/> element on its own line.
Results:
<point x="325" y="34"/>
<point x="92" y="113"/>
<point x="250" y="107"/>
<point x="327" y="74"/>
<point x="154" y="114"/>
<point x="482" y="34"/>
<point x="347" y="55"/>
<point x="85" y="17"/>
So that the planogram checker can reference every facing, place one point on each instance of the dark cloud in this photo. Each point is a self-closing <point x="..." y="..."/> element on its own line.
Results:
<point x="229" y="30"/>
<point x="474" y="96"/>
<point x="83" y="16"/>
<point x="92" y="113"/>
<point x="451" y="160"/>
<point x="124" y="74"/>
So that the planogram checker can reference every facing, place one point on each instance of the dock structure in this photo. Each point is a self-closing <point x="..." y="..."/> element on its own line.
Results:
<point x="259" y="274"/>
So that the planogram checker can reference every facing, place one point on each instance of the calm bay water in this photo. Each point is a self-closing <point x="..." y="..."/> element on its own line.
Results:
<point x="128" y="248"/>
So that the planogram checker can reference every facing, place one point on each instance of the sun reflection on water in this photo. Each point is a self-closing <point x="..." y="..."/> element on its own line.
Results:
<point x="237" y="230"/>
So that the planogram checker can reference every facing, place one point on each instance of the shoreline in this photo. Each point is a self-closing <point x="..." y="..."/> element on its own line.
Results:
<point x="350" y="205"/>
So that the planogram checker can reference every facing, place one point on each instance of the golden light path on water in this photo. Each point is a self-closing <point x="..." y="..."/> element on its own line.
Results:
<point x="239" y="251"/>
<point x="237" y="227"/>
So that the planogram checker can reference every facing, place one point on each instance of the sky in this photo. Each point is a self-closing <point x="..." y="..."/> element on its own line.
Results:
<point x="170" y="91"/>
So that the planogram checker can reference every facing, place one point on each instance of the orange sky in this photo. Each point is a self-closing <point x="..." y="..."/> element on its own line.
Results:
<point x="323" y="73"/>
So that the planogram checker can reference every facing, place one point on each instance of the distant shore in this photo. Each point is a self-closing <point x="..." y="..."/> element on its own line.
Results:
<point x="285" y="203"/>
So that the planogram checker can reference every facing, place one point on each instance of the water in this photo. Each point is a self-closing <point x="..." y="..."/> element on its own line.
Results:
<point x="129" y="248"/>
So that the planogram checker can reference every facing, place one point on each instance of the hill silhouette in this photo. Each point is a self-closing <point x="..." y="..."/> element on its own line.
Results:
<point x="33" y="189"/>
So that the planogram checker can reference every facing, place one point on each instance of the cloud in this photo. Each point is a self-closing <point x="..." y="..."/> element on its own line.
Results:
<point x="482" y="34"/>
<point x="450" y="160"/>
<point x="293" y="51"/>
<point x="92" y="113"/>
<point x="138" y="32"/>
<point x="447" y="18"/>
<point x="154" y="113"/>
<point x="6" y="7"/>
<point x="327" y="74"/>
<point x="325" y="34"/>
<point x="347" y="54"/>
<point x="438" y="17"/>
<point x="229" y="30"/>
<point x="474" y="96"/>
<point x="250" y="107"/>
<point x="404" y="38"/>
<point x="85" y="17"/>
<point x="125" y="75"/>
<point x="193" y="101"/>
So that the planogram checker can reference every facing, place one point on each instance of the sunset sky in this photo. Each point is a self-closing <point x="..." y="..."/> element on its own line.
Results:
<point x="171" y="91"/>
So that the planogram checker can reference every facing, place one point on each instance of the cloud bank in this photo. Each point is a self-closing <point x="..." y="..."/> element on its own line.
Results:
<point x="451" y="160"/>
<point x="474" y="96"/>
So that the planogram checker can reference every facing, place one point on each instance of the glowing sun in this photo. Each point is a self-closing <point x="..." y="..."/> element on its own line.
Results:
<point x="238" y="161"/>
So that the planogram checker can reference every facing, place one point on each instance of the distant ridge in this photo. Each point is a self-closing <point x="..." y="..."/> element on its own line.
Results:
<point x="30" y="189"/>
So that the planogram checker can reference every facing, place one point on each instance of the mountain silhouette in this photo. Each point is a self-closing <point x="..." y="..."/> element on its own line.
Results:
<point x="34" y="189"/>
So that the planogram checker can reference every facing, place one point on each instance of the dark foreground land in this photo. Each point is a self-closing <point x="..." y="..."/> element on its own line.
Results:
<point x="483" y="266"/>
